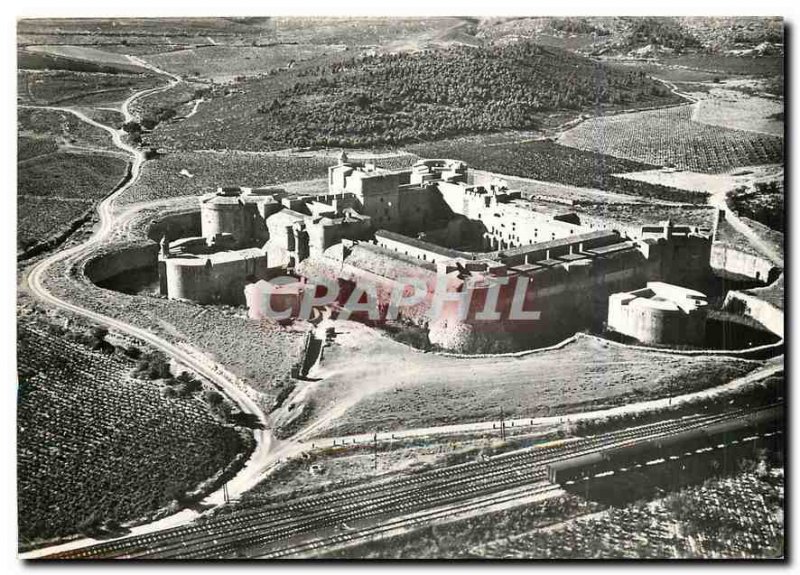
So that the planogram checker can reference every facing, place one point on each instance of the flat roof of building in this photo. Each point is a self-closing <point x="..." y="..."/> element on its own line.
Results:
<point x="572" y="257"/>
<point x="523" y="268"/>
<point x="611" y="248"/>
<point x="561" y="242"/>
<point x="217" y="257"/>
<point x="663" y="296"/>
<point x="288" y="215"/>
<point x="423" y="245"/>
<point x="548" y="263"/>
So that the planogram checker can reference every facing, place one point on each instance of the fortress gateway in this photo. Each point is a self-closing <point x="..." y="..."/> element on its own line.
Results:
<point x="380" y="226"/>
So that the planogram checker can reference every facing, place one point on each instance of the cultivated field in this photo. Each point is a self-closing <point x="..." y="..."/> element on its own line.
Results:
<point x="711" y="183"/>
<point x="96" y="446"/>
<point x="64" y="128"/>
<point x="545" y="160"/>
<point x="226" y="63"/>
<point x="194" y="173"/>
<point x="737" y="517"/>
<point x="54" y="189"/>
<point x="76" y="59"/>
<point x="108" y="116"/>
<point x="67" y="87"/>
<point x="391" y="386"/>
<point x="29" y="147"/>
<point x="669" y="137"/>
<point x="41" y="218"/>
<point x="79" y="54"/>
<point x="179" y="98"/>
<point x="452" y="540"/>
<point x="762" y="66"/>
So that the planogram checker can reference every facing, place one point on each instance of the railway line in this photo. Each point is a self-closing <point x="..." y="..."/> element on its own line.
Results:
<point x="384" y="529"/>
<point x="293" y="523"/>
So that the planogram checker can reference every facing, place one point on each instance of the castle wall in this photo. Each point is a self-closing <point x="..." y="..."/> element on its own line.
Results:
<point x="728" y="259"/>
<point x="685" y="260"/>
<point x="224" y="218"/>
<point x="321" y="236"/>
<point x="110" y="264"/>
<point x="654" y="325"/>
<point x="420" y="207"/>
<point x="507" y="221"/>
<point x="175" y="226"/>
<point x="222" y="282"/>
<point x="379" y="196"/>
<point x="424" y="251"/>
<point x="760" y="310"/>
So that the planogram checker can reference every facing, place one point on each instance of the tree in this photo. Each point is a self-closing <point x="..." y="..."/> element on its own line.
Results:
<point x="132" y="127"/>
<point x="212" y="398"/>
<point x="133" y="352"/>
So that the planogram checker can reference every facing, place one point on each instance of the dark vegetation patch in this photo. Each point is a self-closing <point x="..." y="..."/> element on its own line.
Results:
<point x="760" y="66"/>
<point x="68" y="175"/>
<point x="764" y="204"/>
<point x="27" y="60"/>
<point x="388" y="99"/>
<point x="64" y="127"/>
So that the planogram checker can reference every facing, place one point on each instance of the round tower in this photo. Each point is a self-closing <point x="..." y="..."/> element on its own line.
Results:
<point x="224" y="213"/>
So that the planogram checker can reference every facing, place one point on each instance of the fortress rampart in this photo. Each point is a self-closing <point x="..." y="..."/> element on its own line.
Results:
<point x="659" y="314"/>
<point x="381" y="226"/>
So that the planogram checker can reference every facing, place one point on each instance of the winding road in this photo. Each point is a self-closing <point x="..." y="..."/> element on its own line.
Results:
<point x="267" y="451"/>
<point x="262" y="457"/>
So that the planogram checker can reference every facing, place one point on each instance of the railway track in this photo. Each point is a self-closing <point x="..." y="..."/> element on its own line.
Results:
<point x="293" y="522"/>
<point x="384" y="529"/>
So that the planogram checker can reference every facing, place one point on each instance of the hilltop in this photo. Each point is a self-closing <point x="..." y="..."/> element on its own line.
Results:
<point x="379" y="99"/>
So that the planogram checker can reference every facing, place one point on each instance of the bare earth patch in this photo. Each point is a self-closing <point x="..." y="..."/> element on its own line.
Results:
<point x="735" y="109"/>
<point x="371" y="383"/>
<point x="712" y="183"/>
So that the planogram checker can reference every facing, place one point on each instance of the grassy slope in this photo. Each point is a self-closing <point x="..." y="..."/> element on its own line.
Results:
<point x="391" y="386"/>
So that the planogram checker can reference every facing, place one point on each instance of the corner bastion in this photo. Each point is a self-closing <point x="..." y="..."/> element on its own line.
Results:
<point x="660" y="313"/>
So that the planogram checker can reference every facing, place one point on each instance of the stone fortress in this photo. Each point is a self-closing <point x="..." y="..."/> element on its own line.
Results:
<point x="380" y="226"/>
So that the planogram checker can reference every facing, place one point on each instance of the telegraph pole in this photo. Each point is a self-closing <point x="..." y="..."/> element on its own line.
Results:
<point x="502" y="425"/>
<point x="375" y="448"/>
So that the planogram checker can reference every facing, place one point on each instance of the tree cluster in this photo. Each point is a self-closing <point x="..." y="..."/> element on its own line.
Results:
<point x="389" y="99"/>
